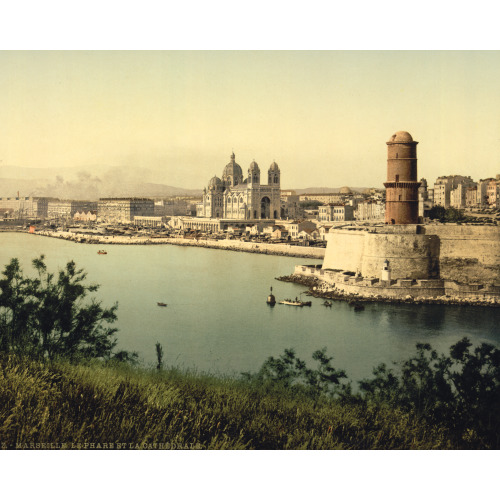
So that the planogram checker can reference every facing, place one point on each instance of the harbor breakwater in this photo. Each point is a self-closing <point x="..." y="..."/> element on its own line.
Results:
<point x="234" y="245"/>
<point x="339" y="285"/>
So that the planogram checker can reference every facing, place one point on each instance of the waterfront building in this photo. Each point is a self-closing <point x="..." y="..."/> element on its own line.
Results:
<point x="22" y="207"/>
<point x="257" y="228"/>
<point x="335" y="212"/>
<point x="401" y="205"/>
<point x="370" y="210"/>
<point x="66" y="209"/>
<point x="234" y="197"/>
<point x="290" y="205"/>
<point x="471" y="197"/>
<point x="339" y="197"/>
<point x="458" y="194"/>
<point x="425" y="203"/>
<point x="323" y="232"/>
<point x="295" y="227"/>
<point x="279" y="233"/>
<point x="124" y="209"/>
<point x="90" y="216"/>
<point x="482" y="193"/>
<point x="149" y="221"/>
<point x="493" y="193"/>
<point x="444" y="185"/>
<point x="308" y="234"/>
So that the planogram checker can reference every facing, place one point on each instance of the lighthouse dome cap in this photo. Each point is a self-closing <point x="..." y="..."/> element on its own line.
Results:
<point x="401" y="136"/>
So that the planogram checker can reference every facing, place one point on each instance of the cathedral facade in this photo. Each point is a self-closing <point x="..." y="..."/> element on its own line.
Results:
<point x="234" y="197"/>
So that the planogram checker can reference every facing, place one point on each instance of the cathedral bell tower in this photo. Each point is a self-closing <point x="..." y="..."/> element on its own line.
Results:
<point x="401" y="206"/>
<point x="254" y="174"/>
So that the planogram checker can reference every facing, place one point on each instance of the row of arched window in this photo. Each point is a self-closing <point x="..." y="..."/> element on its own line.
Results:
<point x="234" y="200"/>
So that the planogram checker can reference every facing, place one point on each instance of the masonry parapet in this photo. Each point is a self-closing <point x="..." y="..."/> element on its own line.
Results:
<point x="346" y="282"/>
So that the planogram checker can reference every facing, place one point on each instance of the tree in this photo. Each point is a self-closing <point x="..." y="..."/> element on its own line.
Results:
<point x="449" y="214"/>
<point x="159" y="356"/>
<point x="49" y="316"/>
<point x="291" y="372"/>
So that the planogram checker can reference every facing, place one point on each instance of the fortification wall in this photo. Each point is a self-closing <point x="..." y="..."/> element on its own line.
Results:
<point x="400" y="289"/>
<point x="413" y="256"/>
<point x="467" y="254"/>
<point x="344" y="250"/>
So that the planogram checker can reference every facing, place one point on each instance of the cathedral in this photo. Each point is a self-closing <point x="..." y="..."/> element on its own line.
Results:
<point x="233" y="197"/>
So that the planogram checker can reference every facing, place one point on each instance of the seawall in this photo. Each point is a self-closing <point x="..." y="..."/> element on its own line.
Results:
<point x="469" y="254"/>
<point x="341" y="283"/>
<point x="234" y="245"/>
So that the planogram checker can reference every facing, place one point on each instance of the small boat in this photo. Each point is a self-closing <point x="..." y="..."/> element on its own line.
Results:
<point x="296" y="302"/>
<point x="162" y="304"/>
<point x="289" y="302"/>
<point x="327" y="304"/>
<point x="102" y="252"/>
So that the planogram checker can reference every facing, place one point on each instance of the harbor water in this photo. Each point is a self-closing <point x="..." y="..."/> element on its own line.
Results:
<point x="217" y="319"/>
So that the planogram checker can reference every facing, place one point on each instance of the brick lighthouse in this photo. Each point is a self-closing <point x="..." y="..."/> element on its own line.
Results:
<point x="401" y="206"/>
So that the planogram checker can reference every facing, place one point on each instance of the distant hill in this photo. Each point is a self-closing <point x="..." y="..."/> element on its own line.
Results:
<point x="81" y="184"/>
<point x="318" y="190"/>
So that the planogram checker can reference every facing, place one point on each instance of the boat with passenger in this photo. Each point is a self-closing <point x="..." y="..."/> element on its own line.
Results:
<point x="296" y="302"/>
<point x="102" y="252"/>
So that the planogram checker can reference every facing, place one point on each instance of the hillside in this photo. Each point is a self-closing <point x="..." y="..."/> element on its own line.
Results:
<point x="71" y="405"/>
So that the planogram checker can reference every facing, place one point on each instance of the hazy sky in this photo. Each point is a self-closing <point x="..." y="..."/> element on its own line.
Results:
<point x="323" y="116"/>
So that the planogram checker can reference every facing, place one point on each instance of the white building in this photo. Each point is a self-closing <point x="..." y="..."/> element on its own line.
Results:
<point x="335" y="212"/>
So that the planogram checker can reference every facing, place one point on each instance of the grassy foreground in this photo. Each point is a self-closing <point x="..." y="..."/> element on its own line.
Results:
<point x="65" y="406"/>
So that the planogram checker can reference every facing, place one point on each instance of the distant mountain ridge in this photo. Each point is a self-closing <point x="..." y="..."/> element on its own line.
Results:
<point x="94" y="182"/>
<point x="322" y="190"/>
<point x="81" y="184"/>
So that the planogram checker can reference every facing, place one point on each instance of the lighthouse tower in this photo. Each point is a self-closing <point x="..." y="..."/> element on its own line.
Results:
<point x="401" y="206"/>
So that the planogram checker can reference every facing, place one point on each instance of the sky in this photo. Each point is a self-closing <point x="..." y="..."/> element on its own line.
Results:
<point x="323" y="116"/>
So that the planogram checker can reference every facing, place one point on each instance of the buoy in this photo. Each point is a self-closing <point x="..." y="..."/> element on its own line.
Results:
<point x="271" y="299"/>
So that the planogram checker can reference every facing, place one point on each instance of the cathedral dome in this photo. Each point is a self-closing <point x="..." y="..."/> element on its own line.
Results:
<point x="274" y="166"/>
<point x="345" y="190"/>
<point x="214" y="183"/>
<point x="232" y="169"/>
<point x="401" y="136"/>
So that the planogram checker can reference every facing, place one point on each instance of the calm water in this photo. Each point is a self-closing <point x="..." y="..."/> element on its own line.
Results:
<point x="217" y="319"/>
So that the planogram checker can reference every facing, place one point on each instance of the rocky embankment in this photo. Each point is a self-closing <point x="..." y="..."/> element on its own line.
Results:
<point x="234" y="245"/>
<point x="320" y="289"/>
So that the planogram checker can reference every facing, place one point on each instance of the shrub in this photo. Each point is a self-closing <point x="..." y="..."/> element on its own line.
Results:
<point x="50" y="316"/>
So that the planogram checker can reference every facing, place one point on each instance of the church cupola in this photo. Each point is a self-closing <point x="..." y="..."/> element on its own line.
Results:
<point x="254" y="174"/>
<point x="274" y="174"/>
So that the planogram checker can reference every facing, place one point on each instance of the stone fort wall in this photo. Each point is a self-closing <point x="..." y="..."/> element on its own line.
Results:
<point x="468" y="253"/>
<point x="463" y="253"/>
